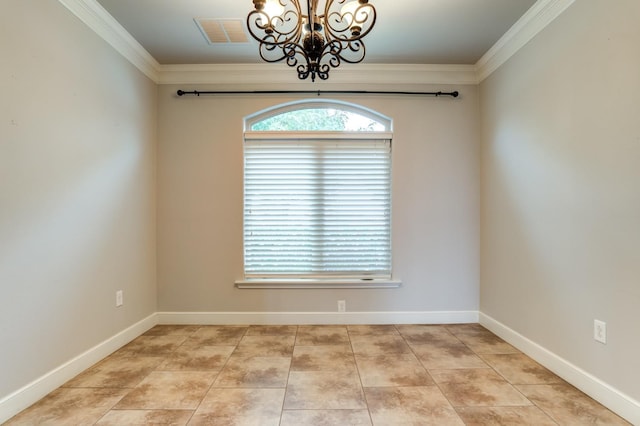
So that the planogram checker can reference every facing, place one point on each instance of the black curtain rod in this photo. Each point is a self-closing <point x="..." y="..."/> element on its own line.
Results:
<point x="453" y="94"/>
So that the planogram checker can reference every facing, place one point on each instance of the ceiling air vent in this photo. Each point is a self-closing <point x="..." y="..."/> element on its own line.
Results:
<point x="222" y="30"/>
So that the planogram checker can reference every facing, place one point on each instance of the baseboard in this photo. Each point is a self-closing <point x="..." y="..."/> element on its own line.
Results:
<point x="301" y="318"/>
<point x="17" y="401"/>
<point x="608" y="396"/>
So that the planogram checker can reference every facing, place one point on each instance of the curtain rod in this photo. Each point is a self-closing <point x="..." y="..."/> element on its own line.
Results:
<point x="453" y="94"/>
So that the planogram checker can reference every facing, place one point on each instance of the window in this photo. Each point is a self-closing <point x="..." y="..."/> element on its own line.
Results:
<point x="317" y="193"/>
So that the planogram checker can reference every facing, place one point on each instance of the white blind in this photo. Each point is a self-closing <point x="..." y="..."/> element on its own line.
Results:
<point x="315" y="207"/>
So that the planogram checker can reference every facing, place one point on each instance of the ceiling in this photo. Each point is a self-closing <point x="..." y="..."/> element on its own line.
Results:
<point x="406" y="31"/>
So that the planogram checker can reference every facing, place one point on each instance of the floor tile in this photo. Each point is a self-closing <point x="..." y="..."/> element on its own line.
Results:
<point x="379" y="345"/>
<point x="484" y="342"/>
<point x="272" y="330"/>
<point x="169" y="390"/>
<point x="407" y="406"/>
<point x="198" y="358"/>
<point x="392" y="370"/>
<point x="69" y="406"/>
<point x="240" y="407"/>
<point x="322" y="335"/>
<point x="469" y="328"/>
<point x="520" y="369"/>
<point x="151" y="346"/>
<point x="213" y="335"/>
<point x="568" y="406"/>
<point x="146" y="417"/>
<point x="254" y="372"/>
<point x="477" y="387"/>
<point x="447" y="357"/>
<point x="116" y="372"/>
<point x="323" y="390"/>
<point x="265" y="346"/>
<point x="323" y="358"/>
<point x="427" y="334"/>
<point x="373" y="329"/>
<point x="325" y="418"/>
<point x="172" y="330"/>
<point x="503" y="416"/>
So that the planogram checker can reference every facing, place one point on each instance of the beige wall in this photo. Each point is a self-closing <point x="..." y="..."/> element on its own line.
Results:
<point x="77" y="190"/>
<point x="560" y="230"/>
<point x="435" y="206"/>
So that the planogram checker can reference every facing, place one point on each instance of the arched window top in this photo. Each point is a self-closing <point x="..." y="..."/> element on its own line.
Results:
<point x="318" y="116"/>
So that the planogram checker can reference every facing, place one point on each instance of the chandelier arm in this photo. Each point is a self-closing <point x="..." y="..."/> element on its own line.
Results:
<point x="363" y="18"/>
<point x="297" y="57"/>
<point x="303" y="72"/>
<point x="323" y="71"/>
<point x="357" y="47"/>
<point x="266" y="48"/>
<point x="337" y="49"/>
<point x="291" y="52"/>
<point x="275" y="31"/>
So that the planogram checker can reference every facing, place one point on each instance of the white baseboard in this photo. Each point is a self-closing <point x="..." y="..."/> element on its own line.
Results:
<point x="17" y="401"/>
<point x="301" y="318"/>
<point x="608" y="396"/>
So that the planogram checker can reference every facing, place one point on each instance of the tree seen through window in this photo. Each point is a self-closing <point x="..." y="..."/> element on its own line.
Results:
<point x="318" y="119"/>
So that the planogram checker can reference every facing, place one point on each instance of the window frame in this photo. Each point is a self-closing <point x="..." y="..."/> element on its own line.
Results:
<point x="319" y="280"/>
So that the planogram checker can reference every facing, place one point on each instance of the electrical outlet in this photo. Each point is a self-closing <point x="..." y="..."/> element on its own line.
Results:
<point x="119" y="299"/>
<point x="342" y="305"/>
<point x="600" y="331"/>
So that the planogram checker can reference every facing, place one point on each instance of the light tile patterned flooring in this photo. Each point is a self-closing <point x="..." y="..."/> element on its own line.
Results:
<point x="317" y="375"/>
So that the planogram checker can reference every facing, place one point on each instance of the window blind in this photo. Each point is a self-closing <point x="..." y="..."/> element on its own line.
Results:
<point x="317" y="208"/>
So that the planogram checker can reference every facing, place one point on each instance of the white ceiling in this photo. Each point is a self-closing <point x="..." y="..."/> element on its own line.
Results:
<point x="406" y="31"/>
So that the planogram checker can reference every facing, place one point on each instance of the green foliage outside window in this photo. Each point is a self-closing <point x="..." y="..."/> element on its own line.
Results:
<point x="320" y="119"/>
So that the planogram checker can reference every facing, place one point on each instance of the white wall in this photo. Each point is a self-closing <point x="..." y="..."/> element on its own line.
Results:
<point x="435" y="206"/>
<point x="77" y="190"/>
<point x="560" y="227"/>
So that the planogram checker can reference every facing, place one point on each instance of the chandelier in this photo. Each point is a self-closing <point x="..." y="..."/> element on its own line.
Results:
<point x="313" y="42"/>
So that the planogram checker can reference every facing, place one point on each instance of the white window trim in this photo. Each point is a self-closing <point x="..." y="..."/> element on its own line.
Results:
<point x="318" y="135"/>
<point x="326" y="283"/>
<point x="320" y="282"/>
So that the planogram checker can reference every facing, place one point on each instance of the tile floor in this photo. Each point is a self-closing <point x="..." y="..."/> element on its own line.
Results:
<point x="317" y="375"/>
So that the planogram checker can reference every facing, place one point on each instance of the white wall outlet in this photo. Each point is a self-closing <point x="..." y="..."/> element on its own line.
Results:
<point x="342" y="305"/>
<point x="600" y="331"/>
<point x="119" y="298"/>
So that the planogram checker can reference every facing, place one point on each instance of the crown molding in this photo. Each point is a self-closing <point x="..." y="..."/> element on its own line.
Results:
<point x="541" y="14"/>
<point x="102" y="23"/>
<point x="360" y="74"/>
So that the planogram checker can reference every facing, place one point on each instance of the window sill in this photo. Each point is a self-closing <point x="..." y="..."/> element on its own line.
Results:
<point x="316" y="283"/>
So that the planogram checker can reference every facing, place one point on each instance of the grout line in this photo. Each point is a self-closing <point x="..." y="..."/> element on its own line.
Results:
<point x="355" y="362"/>
<point x="212" y="382"/>
<point x="286" y="385"/>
